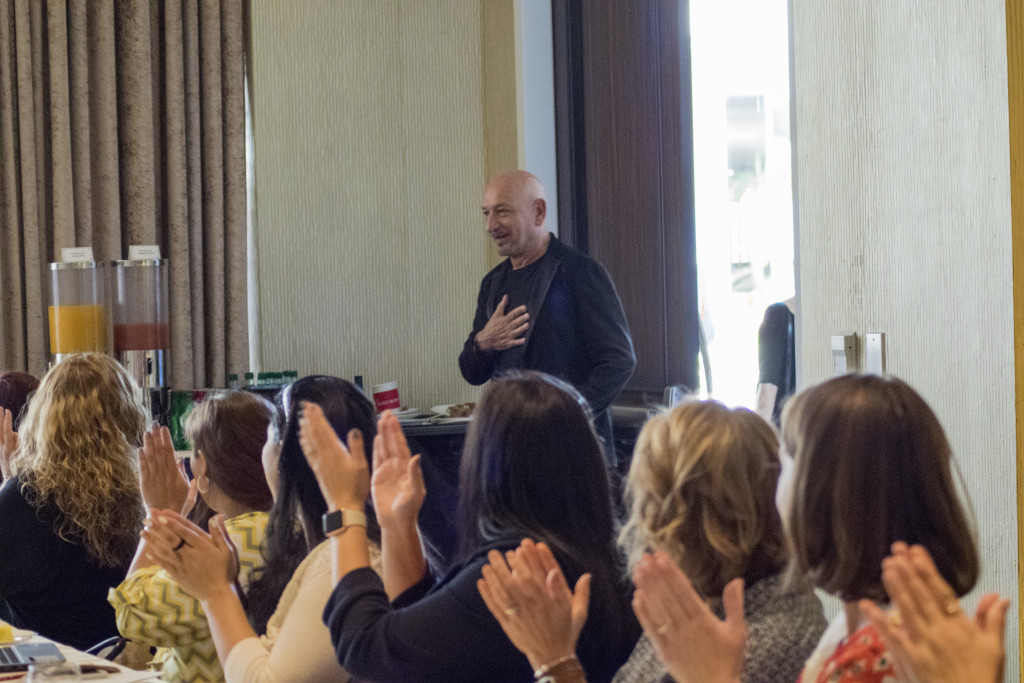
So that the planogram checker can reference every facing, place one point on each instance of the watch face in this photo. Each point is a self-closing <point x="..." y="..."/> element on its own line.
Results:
<point x="333" y="521"/>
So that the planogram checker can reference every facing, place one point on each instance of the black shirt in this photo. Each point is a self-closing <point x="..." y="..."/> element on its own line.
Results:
<point x="50" y="585"/>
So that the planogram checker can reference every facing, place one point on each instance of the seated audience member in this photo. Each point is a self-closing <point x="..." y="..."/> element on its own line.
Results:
<point x="15" y="389"/>
<point x="279" y="635"/>
<point x="532" y="467"/>
<point x="702" y="487"/>
<point x="872" y="466"/>
<point x="72" y="510"/>
<point x="227" y="433"/>
<point x="934" y="639"/>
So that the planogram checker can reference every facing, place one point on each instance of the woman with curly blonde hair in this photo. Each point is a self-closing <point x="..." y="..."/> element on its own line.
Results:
<point x="72" y="511"/>
<point x="702" y="488"/>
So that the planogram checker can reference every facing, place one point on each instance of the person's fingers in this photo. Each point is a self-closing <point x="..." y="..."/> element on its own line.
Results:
<point x="389" y="425"/>
<point x="557" y="586"/>
<point x="186" y="530"/>
<point x="356" y="449"/>
<point x="547" y="558"/>
<point x="929" y="590"/>
<point x="378" y="449"/>
<point x="984" y="605"/>
<point x="653" y="619"/>
<point x="163" y="555"/>
<point x="675" y="587"/>
<point x="491" y="601"/>
<point x="516" y="313"/>
<point x="190" y="497"/>
<point x="995" y="618"/>
<point x="498" y="586"/>
<point x="160" y="535"/>
<point x="931" y="586"/>
<point x="895" y="581"/>
<point x="518" y="331"/>
<point x="732" y="600"/>
<point x="499" y="310"/>
<point x="580" y="599"/>
<point x="500" y="567"/>
<point x="415" y="472"/>
<point x="527" y="554"/>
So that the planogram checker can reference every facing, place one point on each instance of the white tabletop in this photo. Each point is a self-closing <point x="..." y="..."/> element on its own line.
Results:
<point x="71" y="654"/>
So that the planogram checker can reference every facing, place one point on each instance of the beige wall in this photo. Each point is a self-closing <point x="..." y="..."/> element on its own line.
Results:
<point x="904" y="223"/>
<point x="369" y="160"/>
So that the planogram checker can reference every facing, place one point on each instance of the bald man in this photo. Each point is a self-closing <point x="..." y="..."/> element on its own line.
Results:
<point x="546" y="307"/>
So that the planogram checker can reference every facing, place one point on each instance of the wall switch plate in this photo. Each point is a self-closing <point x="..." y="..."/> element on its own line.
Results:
<point x="874" y="353"/>
<point x="844" y="354"/>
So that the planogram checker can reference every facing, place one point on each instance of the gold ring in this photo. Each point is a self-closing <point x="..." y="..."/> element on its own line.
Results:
<point x="663" y="629"/>
<point x="952" y="608"/>
<point x="510" y="611"/>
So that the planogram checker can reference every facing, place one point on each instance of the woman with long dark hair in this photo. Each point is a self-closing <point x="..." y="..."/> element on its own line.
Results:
<point x="278" y="636"/>
<point x="532" y="467"/>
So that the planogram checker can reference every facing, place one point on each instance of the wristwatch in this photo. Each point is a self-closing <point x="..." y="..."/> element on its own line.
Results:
<point x="338" y="521"/>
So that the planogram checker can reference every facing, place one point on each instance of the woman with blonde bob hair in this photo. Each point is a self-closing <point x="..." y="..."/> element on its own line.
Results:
<point x="702" y="488"/>
<point x="72" y="511"/>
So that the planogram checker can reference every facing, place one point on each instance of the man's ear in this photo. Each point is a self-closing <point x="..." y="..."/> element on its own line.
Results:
<point x="540" y="211"/>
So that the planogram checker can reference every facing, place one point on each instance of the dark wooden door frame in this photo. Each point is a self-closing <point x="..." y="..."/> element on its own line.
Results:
<point x="626" y="193"/>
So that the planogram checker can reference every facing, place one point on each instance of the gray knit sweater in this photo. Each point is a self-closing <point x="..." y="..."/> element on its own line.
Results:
<point x="782" y="629"/>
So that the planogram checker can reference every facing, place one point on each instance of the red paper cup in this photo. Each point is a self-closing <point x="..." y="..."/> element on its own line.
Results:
<point x="385" y="396"/>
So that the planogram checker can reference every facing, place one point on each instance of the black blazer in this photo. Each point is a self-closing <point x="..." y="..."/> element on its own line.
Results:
<point x="578" y="330"/>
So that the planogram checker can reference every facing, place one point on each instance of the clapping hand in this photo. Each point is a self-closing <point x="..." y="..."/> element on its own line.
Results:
<point x="932" y="639"/>
<point x="162" y="479"/>
<point x="397" y="484"/>
<point x="693" y="644"/>
<point x="527" y="593"/>
<point x="341" y="471"/>
<point x="201" y="563"/>
<point x="8" y="443"/>
<point x="504" y="330"/>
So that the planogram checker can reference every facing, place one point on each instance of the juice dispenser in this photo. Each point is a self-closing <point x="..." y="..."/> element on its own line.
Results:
<point x="142" y="333"/>
<point x="79" y="320"/>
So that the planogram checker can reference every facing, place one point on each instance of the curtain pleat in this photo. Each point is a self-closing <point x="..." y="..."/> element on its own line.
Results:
<point x="123" y="122"/>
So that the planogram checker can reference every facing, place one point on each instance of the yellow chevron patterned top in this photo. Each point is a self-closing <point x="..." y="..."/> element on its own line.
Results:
<point x="153" y="610"/>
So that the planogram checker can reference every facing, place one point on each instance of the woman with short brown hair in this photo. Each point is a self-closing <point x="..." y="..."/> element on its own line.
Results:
<point x="872" y="467"/>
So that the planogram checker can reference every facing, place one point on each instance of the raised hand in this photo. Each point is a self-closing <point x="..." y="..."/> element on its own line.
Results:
<point x="527" y="593"/>
<point x="341" y="471"/>
<point x="8" y="443"/>
<point x="504" y="330"/>
<point x="201" y="563"/>
<point x="397" y="483"/>
<point x="693" y="644"/>
<point x="932" y="639"/>
<point x="164" y="484"/>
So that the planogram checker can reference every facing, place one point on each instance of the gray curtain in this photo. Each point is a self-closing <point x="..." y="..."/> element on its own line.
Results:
<point x="123" y="122"/>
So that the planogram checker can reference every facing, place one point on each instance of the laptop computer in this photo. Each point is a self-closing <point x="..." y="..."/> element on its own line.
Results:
<point x="19" y="657"/>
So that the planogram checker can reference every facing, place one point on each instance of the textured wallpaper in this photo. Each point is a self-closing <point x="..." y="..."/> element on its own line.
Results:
<point x="369" y="165"/>
<point x="904" y="224"/>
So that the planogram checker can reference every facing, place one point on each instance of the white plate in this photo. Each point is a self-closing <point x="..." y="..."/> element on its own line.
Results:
<point x="442" y="414"/>
<point x="406" y="413"/>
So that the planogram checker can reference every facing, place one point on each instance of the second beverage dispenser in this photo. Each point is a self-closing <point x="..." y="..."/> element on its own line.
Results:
<point x="142" y="332"/>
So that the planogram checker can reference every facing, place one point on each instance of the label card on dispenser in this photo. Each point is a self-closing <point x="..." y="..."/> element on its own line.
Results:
<point x="143" y="252"/>
<point x="76" y="254"/>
